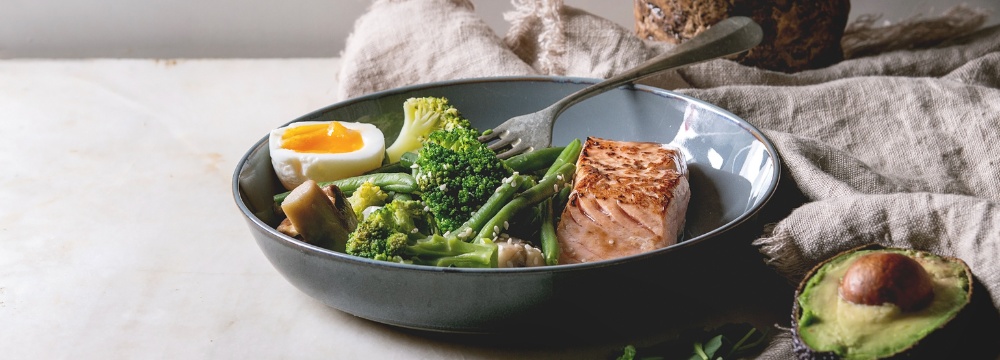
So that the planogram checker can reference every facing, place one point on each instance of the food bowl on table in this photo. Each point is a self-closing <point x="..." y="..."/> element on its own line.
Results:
<point x="733" y="169"/>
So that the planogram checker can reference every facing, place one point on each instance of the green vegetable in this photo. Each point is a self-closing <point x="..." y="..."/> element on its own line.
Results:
<point x="546" y="188"/>
<point x="421" y="116"/>
<point x="568" y="155"/>
<point x="628" y="353"/>
<point x="721" y="347"/>
<point x="559" y="202"/>
<point x="401" y="166"/>
<point x="556" y="178"/>
<point x="438" y="250"/>
<point x="403" y="232"/>
<point x="396" y="167"/>
<point x="507" y="190"/>
<point x="402" y="196"/>
<point x="408" y="159"/>
<point x="385" y="231"/>
<point x="716" y="344"/>
<point x="552" y="208"/>
<point x="396" y="182"/>
<point x="456" y="174"/>
<point x="547" y="233"/>
<point x="875" y="281"/>
<point x="367" y="195"/>
<point x="533" y="161"/>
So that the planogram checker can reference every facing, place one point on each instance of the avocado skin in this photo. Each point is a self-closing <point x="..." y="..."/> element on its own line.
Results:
<point x="939" y="344"/>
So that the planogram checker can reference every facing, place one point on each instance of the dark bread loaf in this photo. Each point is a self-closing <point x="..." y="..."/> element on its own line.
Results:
<point x="798" y="35"/>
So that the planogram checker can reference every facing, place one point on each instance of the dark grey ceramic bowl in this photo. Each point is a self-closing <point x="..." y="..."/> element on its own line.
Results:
<point x="734" y="171"/>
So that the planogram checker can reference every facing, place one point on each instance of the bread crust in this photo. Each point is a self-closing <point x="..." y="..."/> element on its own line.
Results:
<point x="798" y="34"/>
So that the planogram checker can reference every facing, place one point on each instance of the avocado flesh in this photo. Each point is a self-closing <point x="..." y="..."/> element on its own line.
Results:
<point x="852" y="331"/>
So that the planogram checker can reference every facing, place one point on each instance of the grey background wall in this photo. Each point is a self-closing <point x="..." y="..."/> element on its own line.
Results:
<point x="260" y="28"/>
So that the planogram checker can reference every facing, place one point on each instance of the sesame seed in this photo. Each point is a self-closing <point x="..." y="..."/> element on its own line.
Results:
<point x="555" y="187"/>
<point x="414" y="166"/>
<point x="496" y="229"/>
<point x="506" y="225"/>
<point x="414" y="231"/>
<point x="443" y="187"/>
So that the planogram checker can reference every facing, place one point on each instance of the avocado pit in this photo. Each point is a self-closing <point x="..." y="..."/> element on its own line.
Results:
<point x="885" y="277"/>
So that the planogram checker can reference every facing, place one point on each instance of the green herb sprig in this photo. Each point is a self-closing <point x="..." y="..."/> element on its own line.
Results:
<point x="716" y="344"/>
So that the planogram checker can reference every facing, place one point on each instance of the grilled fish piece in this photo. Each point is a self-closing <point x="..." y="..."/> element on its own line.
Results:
<point x="627" y="198"/>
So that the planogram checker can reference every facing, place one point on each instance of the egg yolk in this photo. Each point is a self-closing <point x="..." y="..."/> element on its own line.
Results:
<point x="322" y="138"/>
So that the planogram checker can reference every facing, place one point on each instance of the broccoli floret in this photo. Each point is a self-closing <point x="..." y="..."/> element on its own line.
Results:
<point x="367" y="195"/>
<point x="437" y="250"/>
<point x="456" y="174"/>
<point x="385" y="231"/>
<point x="401" y="231"/>
<point x="421" y="116"/>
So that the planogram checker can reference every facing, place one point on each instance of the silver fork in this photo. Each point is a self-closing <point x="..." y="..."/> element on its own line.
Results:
<point x="532" y="131"/>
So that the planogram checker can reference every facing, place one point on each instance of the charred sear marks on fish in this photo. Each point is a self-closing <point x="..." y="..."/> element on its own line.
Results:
<point x="628" y="198"/>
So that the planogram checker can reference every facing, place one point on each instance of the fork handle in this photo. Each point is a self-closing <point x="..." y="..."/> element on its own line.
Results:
<point x="727" y="37"/>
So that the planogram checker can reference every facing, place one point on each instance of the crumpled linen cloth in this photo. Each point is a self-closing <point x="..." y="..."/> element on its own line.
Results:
<point x="899" y="148"/>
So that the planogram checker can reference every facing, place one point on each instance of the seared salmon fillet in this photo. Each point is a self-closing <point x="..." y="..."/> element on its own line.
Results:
<point x="627" y="198"/>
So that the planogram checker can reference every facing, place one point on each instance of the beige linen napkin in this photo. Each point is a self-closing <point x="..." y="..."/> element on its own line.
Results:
<point x="900" y="148"/>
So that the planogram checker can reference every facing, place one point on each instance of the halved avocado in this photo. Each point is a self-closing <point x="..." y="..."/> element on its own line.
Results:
<point x="874" y="302"/>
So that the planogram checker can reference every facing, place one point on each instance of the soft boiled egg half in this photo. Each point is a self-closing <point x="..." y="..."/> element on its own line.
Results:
<point x="324" y="151"/>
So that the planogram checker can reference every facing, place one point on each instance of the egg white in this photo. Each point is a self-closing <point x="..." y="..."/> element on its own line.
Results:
<point x="293" y="168"/>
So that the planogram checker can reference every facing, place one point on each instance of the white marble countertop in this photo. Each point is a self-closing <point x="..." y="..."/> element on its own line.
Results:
<point x="119" y="236"/>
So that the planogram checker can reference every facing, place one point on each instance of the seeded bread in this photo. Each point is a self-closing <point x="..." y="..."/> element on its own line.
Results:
<point x="798" y="34"/>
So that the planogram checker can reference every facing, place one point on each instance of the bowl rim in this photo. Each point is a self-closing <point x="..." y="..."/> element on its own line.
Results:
<point x="301" y="246"/>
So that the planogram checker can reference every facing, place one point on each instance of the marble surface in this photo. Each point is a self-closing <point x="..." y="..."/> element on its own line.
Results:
<point x="119" y="236"/>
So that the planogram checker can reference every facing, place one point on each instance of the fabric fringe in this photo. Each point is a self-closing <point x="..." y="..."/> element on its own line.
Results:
<point x="866" y="35"/>
<point x="537" y="34"/>
<point x="782" y="254"/>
